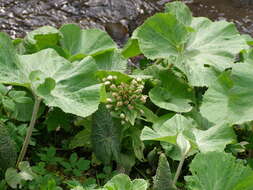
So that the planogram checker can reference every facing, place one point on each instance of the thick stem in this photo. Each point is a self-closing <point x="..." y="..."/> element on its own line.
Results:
<point x="30" y="130"/>
<point x="179" y="168"/>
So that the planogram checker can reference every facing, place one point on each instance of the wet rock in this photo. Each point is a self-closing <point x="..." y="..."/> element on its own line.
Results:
<point x="19" y="17"/>
<point x="117" y="31"/>
<point x="242" y="3"/>
<point x="22" y="16"/>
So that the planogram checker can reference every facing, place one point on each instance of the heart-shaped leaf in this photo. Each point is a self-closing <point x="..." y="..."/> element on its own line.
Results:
<point x="161" y="36"/>
<point x="70" y="86"/>
<point x="213" y="139"/>
<point x="229" y="98"/>
<point x="80" y="43"/>
<point x="219" y="171"/>
<point x="206" y="44"/>
<point x="111" y="60"/>
<point x="180" y="10"/>
<point x="169" y="130"/>
<point x="41" y="38"/>
<point x="131" y="48"/>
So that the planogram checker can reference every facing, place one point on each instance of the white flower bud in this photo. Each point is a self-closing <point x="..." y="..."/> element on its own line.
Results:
<point x="119" y="104"/>
<point x="132" y="87"/>
<point x="122" y="116"/>
<point x="108" y="106"/>
<point x="123" y="84"/>
<point x="144" y="98"/>
<point x="118" y="98"/>
<point x="109" y="100"/>
<point x="115" y="77"/>
<point x="141" y="87"/>
<point x="138" y="91"/>
<point x="133" y="97"/>
<point x="130" y="107"/>
<point x="109" y="77"/>
<point x="134" y="82"/>
<point x="107" y="83"/>
<point x="114" y="94"/>
<point x="138" y="79"/>
<point x="113" y="86"/>
<point x="123" y="122"/>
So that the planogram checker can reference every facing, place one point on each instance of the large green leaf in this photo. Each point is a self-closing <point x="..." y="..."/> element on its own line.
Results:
<point x="202" y="122"/>
<point x="206" y="44"/>
<point x="111" y="60"/>
<point x="219" y="171"/>
<point x="9" y="65"/>
<point x="70" y="86"/>
<point x="213" y="139"/>
<point x="131" y="48"/>
<point x="180" y="10"/>
<point x="229" y="98"/>
<point x="248" y="39"/>
<point x="173" y="94"/>
<point x="41" y="38"/>
<point x="169" y="130"/>
<point x="105" y="136"/>
<point x="161" y="36"/>
<point x="80" y="42"/>
<point x="211" y="44"/>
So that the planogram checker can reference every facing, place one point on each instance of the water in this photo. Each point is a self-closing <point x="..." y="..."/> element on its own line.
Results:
<point x="118" y="17"/>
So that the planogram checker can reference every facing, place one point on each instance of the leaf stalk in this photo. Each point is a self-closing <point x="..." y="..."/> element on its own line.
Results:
<point x="30" y="129"/>
<point x="179" y="168"/>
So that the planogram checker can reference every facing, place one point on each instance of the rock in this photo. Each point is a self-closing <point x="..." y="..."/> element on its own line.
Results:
<point x="117" y="31"/>
<point x="19" y="17"/>
<point x="242" y="3"/>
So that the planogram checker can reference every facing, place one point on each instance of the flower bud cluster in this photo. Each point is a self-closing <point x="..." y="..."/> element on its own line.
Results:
<point x="124" y="97"/>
